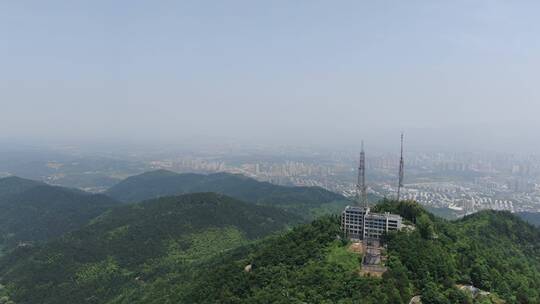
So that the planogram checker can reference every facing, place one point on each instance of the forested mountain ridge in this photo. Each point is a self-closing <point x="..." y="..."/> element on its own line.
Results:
<point x="531" y="217"/>
<point x="13" y="185"/>
<point x="494" y="251"/>
<point x="132" y="244"/>
<point x="32" y="211"/>
<point x="164" y="183"/>
<point x="108" y="262"/>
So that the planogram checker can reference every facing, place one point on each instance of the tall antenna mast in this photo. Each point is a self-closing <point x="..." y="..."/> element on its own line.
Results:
<point x="361" y="190"/>
<point x="400" y="183"/>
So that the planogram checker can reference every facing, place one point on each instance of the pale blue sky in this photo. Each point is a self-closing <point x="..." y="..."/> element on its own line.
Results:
<point x="270" y="71"/>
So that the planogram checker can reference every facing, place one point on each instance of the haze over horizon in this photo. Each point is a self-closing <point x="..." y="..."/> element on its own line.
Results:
<point x="449" y="74"/>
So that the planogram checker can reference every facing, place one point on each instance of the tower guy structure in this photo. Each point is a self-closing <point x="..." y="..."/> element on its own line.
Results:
<point x="361" y="189"/>
<point x="401" y="165"/>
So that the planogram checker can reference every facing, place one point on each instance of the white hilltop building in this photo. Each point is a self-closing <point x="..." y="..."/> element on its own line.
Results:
<point x="360" y="223"/>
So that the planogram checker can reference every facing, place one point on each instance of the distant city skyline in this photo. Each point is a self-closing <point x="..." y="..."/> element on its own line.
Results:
<point x="453" y="183"/>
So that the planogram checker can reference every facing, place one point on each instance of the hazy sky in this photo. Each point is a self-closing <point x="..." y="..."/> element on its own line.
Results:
<point x="271" y="71"/>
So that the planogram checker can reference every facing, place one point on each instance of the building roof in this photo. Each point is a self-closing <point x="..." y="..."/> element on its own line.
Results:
<point x="385" y="215"/>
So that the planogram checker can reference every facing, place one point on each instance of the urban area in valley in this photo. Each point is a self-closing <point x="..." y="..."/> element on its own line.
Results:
<point x="450" y="184"/>
<point x="460" y="183"/>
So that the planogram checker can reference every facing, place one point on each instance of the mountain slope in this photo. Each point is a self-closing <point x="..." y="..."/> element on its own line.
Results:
<point x="531" y="217"/>
<point x="162" y="183"/>
<point x="494" y="251"/>
<point x="137" y="243"/>
<point x="13" y="185"/>
<point x="32" y="211"/>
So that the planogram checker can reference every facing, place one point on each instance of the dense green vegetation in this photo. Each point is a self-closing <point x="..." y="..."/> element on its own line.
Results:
<point x="445" y="213"/>
<point x="128" y="246"/>
<point x="494" y="251"/>
<point x="14" y="185"/>
<point x="195" y="249"/>
<point x="31" y="211"/>
<point x="302" y="200"/>
<point x="531" y="217"/>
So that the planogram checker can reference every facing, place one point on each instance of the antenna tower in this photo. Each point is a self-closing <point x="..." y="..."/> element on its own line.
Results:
<point x="361" y="189"/>
<point x="400" y="183"/>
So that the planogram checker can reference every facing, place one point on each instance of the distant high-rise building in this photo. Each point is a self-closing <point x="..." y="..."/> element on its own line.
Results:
<point x="401" y="167"/>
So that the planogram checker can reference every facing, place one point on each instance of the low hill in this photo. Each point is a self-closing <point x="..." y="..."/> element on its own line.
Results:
<point x="494" y="251"/>
<point x="137" y="243"/>
<point x="13" y="185"/>
<point x="531" y="217"/>
<point x="163" y="183"/>
<point x="108" y="263"/>
<point x="32" y="211"/>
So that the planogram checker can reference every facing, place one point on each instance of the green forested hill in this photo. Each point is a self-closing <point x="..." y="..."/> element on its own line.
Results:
<point x="32" y="211"/>
<point x="163" y="183"/>
<point x="150" y="253"/>
<point x="13" y="185"/>
<point x="531" y="217"/>
<point x="495" y="251"/>
<point x="154" y="242"/>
